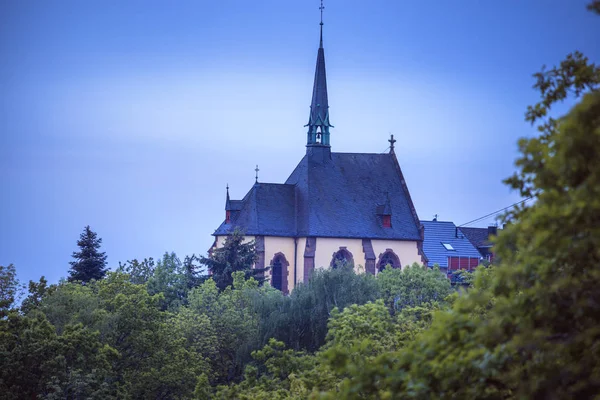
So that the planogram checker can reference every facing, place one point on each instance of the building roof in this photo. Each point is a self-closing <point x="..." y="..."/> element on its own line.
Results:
<point x="439" y="232"/>
<point x="267" y="209"/>
<point x="478" y="236"/>
<point x="332" y="195"/>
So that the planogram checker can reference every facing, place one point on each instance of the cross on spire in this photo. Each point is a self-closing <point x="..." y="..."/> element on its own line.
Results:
<point x="256" y="169"/>
<point x="392" y="141"/>
<point x="322" y="8"/>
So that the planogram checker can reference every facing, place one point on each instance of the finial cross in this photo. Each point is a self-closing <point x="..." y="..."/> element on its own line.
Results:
<point x="322" y="8"/>
<point x="392" y="141"/>
<point x="256" y="169"/>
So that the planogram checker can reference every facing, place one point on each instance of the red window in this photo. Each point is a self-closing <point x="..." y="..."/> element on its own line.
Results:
<point x="387" y="221"/>
<point x="466" y="263"/>
<point x="227" y="216"/>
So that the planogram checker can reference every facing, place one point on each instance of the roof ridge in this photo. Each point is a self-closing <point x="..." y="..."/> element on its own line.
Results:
<point x="370" y="154"/>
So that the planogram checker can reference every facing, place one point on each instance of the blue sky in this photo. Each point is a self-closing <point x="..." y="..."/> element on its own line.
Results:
<point x="131" y="116"/>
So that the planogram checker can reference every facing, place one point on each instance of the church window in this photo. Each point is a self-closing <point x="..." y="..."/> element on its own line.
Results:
<point x="227" y="216"/>
<point x="341" y="258"/>
<point x="389" y="258"/>
<point x="279" y="269"/>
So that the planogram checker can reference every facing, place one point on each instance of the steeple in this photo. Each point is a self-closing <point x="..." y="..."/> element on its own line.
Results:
<point x="318" y="122"/>
<point x="227" y="207"/>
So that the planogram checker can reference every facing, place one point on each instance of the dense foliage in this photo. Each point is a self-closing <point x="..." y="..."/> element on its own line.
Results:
<point x="128" y="337"/>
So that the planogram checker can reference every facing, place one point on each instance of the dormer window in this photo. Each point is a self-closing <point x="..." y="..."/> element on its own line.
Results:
<point x="227" y="216"/>
<point x="387" y="221"/>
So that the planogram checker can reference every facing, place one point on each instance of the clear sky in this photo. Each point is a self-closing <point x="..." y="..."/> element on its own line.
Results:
<point x="131" y="116"/>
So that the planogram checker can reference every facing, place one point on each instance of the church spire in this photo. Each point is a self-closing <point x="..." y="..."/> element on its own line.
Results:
<point x="318" y="123"/>
<point x="227" y="200"/>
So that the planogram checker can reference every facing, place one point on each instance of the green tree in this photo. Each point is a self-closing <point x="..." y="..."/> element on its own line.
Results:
<point x="89" y="262"/>
<point x="235" y="255"/>
<point x="36" y="362"/>
<point x="170" y="279"/>
<point x="232" y="314"/>
<point x="301" y="319"/>
<point x="139" y="272"/>
<point x="159" y="355"/>
<point x="412" y="286"/>
<point x="10" y="289"/>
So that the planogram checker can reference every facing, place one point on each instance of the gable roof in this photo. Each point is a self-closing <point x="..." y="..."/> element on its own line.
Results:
<point x="478" y="236"/>
<point x="439" y="232"/>
<point x="332" y="195"/>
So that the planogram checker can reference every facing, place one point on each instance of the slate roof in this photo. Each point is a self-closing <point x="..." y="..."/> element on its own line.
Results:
<point x="332" y="195"/>
<point x="438" y="232"/>
<point x="477" y="236"/>
<point x="268" y="209"/>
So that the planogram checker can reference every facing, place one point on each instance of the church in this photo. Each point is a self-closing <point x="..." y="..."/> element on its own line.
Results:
<point x="333" y="208"/>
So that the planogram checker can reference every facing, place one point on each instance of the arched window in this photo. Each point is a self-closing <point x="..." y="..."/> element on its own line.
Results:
<point x="279" y="272"/>
<point x="389" y="258"/>
<point x="342" y="257"/>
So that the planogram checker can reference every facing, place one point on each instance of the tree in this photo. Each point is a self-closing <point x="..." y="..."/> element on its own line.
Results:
<point x="412" y="286"/>
<point x="36" y="362"/>
<point x="89" y="262"/>
<point x="139" y="271"/>
<point x="169" y="278"/>
<point x="233" y="316"/>
<point x="235" y="255"/>
<point x="10" y="288"/>
<point x="300" y="319"/>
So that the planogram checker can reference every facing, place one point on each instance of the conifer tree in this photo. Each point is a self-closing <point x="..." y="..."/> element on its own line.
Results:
<point x="89" y="262"/>
<point x="235" y="255"/>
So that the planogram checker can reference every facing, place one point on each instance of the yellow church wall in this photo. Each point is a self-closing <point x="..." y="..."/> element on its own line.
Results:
<point x="221" y="240"/>
<point x="285" y="245"/>
<point x="407" y="251"/>
<point x="327" y="246"/>
<point x="300" y="260"/>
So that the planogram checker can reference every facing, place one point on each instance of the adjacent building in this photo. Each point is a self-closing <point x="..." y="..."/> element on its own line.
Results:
<point x="448" y="247"/>
<point x="481" y="239"/>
